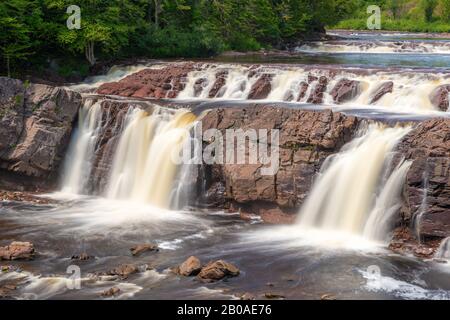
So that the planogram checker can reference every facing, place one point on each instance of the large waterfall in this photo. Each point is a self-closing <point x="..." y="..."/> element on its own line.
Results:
<point x="143" y="167"/>
<point x="352" y="193"/>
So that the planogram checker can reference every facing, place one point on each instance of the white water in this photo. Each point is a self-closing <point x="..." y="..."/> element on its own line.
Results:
<point x="346" y="197"/>
<point x="411" y="90"/>
<point x="378" y="47"/>
<point x="444" y="250"/>
<point x="143" y="168"/>
<point x="79" y="159"/>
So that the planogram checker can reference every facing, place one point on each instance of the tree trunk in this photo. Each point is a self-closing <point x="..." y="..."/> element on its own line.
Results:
<point x="157" y="12"/>
<point x="89" y="52"/>
<point x="8" y="67"/>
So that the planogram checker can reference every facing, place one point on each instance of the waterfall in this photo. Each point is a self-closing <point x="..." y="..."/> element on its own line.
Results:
<point x="396" y="92"/>
<point x="444" y="250"/>
<point x="80" y="157"/>
<point x="346" y="195"/>
<point x="143" y="168"/>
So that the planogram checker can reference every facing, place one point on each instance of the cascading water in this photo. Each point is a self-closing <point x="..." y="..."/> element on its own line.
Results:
<point x="403" y="92"/>
<point x="143" y="168"/>
<point x="344" y="197"/>
<point x="79" y="160"/>
<point x="444" y="250"/>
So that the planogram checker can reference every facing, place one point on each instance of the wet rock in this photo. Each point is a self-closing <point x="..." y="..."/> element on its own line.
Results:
<point x="221" y="79"/>
<point x="273" y="296"/>
<point x="248" y="296"/>
<point x="440" y="97"/>
<point x="190" y="267"/>
<point x="141" y="248"/>
<point x="124" y="271"/>
<point x="262" y="87"/>
<point x="35" y="126"/>
<point x="328" y="296"/>
<point x="151" y="83"/>
<point x="427" y="189"/>
<point x="345" y="90"/>
<point x="7" y="290"/>
<point x="114" y="291"/>
<point x="82" y="257"/>
<point x="306" y="139"/>
<point x="218" y="270"/>
<point x="17" y="251"/>
<point x="303" y="89"/>
<point x="385" y="88"/>
<point x="199" y="85"/>
<point x="317" y="93"/>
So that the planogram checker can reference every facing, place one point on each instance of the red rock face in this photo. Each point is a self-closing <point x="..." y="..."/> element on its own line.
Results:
<point x="428" y="147"/>
<point x="439" y="97"/>
<point x="151" y="83"/>
<point x="316" y="96"/>
<point x="307" y="138"/>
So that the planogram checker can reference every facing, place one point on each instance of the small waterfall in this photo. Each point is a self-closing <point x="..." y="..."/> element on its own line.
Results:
<point x="80" y="157"/>
<point x="402" y="92"/>
<point x="143" y="168"/>
<point x="346" y="196"/>
<point x="444" y="250"/>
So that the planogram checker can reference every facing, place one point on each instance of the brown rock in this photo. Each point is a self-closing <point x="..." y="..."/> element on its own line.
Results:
<point x="218" y="270"/>
<point x="35" y="126"/>
<point x="262" y="87"/>
<point x="124" y="271"/>
<point x="271" y="295"/>
<point x="141" y="248"/>
<point x="384" y="88"/>
<point x="439" y="97"/>
<point x="221" y="79"/>
<point x="17" y="251"/>
<point x="190" y="267"/>
<point x="114" y="291"/>
<point x="82" y="257"/>
<point x="428" y="147"/>
<point x="316" y="95"/>
<point x="345" y="90"/>
<point x="303" y="89"/>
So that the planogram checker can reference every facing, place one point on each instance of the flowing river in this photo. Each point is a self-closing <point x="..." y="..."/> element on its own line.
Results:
<point x="338" y="245"/>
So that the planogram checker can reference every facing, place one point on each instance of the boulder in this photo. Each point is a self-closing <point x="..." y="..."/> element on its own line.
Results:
<point x="261" y="88"/>
<point x="316" y="95"/>
<point x="17" y="251"/>
<point x="303" y="89"/>
<point x="35" y="126"/>
<point x="124" y="271"/>
<point x="440" y="97"/>
<point x="190" y="267"/>
<point x="112" y="292"/>
<point x="384" y="88"/>
<point x="345" y="90"/>
<point x="218" y="270"/>
<point x="141" y="248"/>
<point x="221" y="79"/>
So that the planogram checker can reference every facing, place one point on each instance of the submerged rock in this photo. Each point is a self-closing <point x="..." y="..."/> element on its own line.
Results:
<point x="141" y="248"/>
<point x="17" y="251"/>
<point x="190" y="267"/>
<point x="114" y="291"/>
<point x="218" y="270"/>
<point x="82" y="257"/>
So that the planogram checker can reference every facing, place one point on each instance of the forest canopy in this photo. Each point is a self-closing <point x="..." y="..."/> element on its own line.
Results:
<point x="34" y="32"/>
